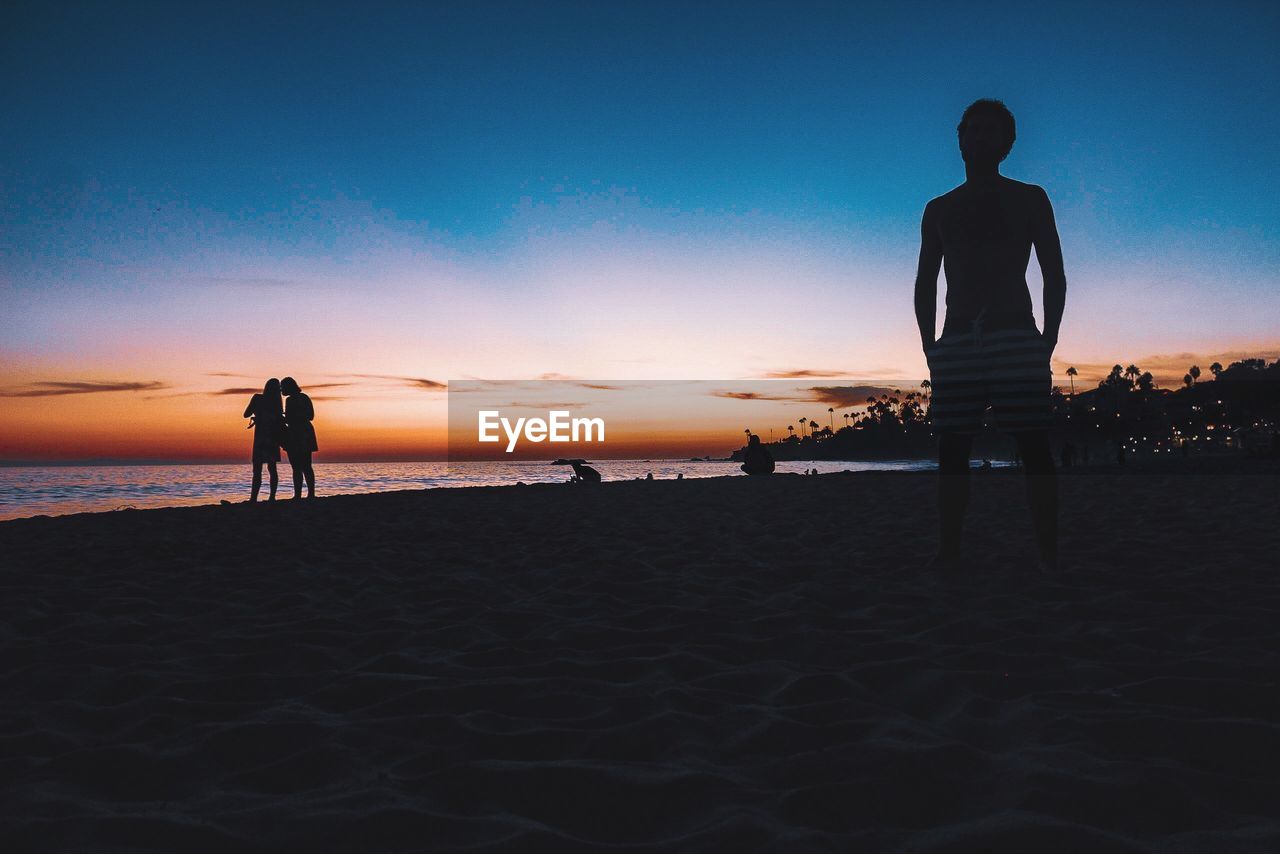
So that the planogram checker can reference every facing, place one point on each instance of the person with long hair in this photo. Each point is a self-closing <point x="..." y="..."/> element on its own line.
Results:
<point x="301" y="444"/>
<point x="267" y="420"/>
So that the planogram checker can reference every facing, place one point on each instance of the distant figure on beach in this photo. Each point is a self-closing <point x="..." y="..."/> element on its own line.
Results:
<point x="267" y="420"/>
<point x="990" y="353"/>
<point x="301" y="436"/>
<point x="582" y="473"/>
<point x="757" y="459"/>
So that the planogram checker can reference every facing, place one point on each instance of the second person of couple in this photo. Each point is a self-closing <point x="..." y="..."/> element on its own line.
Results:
<point x="289" y="427"/>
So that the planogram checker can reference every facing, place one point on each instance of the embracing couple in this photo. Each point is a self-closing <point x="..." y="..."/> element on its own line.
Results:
<point x="289" y="427"/>
<point x="990" y="354"/>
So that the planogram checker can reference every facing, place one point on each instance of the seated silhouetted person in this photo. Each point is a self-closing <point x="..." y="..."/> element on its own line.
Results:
<point x="757" y="459"/>
<point x="582" y="473"/>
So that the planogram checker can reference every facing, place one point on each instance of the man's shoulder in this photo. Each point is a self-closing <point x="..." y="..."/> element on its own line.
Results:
<point x="937" y="206"/>
<point x="941" y="201"/>
<point x="1033" y="191"/>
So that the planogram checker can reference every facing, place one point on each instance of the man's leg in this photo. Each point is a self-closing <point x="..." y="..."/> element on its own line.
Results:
<point x="295" y="466"/>
<point x="953" y="490"/>
<point x="257" y="481"/>
<point x="1042" y="492"/>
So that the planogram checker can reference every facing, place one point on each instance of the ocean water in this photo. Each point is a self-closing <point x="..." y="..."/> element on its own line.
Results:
<point x="57" y="490"/>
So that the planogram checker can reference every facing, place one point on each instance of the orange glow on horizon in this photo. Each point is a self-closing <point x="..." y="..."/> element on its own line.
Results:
<point x="388" y="414"/>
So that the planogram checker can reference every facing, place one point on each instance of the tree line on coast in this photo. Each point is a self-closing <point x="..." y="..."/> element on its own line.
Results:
<point x="1238" y="409"/>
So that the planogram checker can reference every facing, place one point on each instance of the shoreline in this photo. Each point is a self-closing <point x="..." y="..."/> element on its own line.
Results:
<point x="1208" y="464"/>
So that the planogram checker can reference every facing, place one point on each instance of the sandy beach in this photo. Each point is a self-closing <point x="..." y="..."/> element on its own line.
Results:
<point x="719" y="665"/>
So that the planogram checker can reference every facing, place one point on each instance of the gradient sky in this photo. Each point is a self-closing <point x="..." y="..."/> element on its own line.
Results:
<point x="379" y="197"/>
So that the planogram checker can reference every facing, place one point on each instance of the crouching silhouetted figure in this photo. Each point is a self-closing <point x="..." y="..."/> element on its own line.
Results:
<point x="582" y="473"/>
<point x="757" y="459"/>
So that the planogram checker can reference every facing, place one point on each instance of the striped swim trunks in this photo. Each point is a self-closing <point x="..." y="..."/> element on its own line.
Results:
<point x="1006" y="370"/>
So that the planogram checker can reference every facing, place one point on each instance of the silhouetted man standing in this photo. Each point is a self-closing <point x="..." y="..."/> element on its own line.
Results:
<point x="990" y="353"/>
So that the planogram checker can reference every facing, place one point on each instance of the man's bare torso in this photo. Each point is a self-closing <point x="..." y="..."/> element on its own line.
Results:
<point x="985" y="230"/>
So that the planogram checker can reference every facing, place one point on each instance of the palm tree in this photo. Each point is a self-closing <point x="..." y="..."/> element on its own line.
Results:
<point x="831" y="418"/>
<point x="1132" y="372"/>
<point x="845" y="416"/>
<point x="1215" y="369"/>
<point x="791" y="431"/>
<point x="1071" y="373"/>
<point x="1188" y="379"/>
<point x="813" y="425"/>
<point x="1195" y="373"/>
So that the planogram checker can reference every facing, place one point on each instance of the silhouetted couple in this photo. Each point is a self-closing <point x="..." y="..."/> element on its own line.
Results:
<point x="289" y="427"/>
<point x="990" y="353"/>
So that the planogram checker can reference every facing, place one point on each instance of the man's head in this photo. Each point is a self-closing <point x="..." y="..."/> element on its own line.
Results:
<point x="986" y="132"/>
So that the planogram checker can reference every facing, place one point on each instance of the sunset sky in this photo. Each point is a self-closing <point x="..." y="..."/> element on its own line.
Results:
<point x="378" y="198"/>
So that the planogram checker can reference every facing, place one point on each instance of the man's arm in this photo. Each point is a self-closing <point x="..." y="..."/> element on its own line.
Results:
<point x="1044" y="236"/>
<point x="927" y="276"/>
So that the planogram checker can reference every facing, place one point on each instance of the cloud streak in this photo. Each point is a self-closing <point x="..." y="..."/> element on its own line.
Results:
<point x="411" y="382"/>
<point x="838" y="396"/>
<point x="57" y="389"/>
<point x="802" y="374"/>
<point x="822" y="373"/>
<point x="255" y="390"/>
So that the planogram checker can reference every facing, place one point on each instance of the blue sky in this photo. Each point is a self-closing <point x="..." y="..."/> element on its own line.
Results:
<point x="446" y="113"/>
<point x="495" y="170"/>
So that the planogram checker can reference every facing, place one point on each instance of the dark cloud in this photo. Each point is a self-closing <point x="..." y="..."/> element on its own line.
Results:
<point x="846" y="396"/>
<point x="412" y="382"/>
<point x="57" y="389"/>
<point x="756" y="395"/>
<point x="802" y="373"/>
<point x="256" y="389"/>
<point x="817" y="373"/>
<point x="839" y="396"/>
